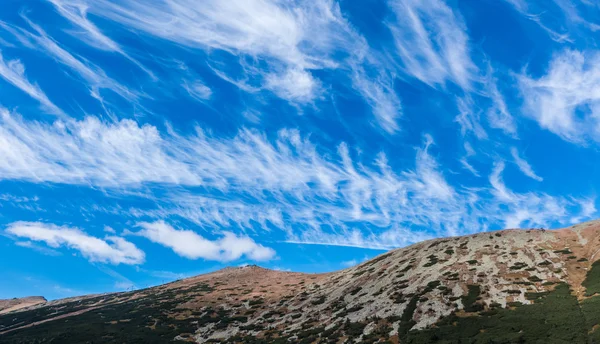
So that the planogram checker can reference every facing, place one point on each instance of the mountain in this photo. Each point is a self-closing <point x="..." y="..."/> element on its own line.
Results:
<point x="511" y="286"/>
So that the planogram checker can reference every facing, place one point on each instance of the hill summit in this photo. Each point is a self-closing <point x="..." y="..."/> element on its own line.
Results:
<point x="511" y="286"/>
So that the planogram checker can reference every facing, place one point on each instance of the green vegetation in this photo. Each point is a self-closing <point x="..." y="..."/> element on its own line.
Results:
<point x="432" y="261"/>
<point x="469" y="300"/>
<point x="518" y="266"/>
<point x="554" y="318"/>
<point x="592" y="280"/>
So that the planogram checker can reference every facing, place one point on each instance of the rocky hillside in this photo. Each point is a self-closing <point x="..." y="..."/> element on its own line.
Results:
<point x="512" y="286"/>
<point x="11" y="305"/>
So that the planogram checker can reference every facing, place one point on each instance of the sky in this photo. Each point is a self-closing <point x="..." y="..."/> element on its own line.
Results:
<point x="147" y="141"/>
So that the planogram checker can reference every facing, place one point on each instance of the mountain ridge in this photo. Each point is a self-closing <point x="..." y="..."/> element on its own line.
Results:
<point x="396" y="297"/>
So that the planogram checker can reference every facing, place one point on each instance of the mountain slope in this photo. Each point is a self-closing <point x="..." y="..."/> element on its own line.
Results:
<point x="12" y="305"/>
<point x="501" y="287"/>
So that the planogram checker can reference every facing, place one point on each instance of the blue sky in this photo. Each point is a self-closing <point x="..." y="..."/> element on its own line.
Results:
<point x="142" y="142"/>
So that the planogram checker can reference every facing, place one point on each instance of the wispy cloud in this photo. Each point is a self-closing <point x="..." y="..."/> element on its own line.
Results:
<point x="94" y="76"/>
<point x="197" y="90"/>
<point x="565" y="100"/>
<point x="189" y="244"/>
<point x="279" y="45"/>
<point x="286" y="182"/>
<point x="111" y="249"/>
<point x="379" y="93"/>
<point x="561" y="19"/>
<point x="432" y="42"/>
<point x="13" y="72"/>
<point x="524" y="165"/>
<point x="41" y="249"/>
<point x="76" y="12"/>
<point x="530" y="209"/>
<point x="292" y="38"/>
<point x="498" y="115"/>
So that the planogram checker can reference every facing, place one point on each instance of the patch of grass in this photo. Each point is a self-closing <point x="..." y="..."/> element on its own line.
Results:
<point x="592" y="280"/>
<point x="432" y="261"/>
<point x="469" y="301"/>
<point x="536" y="323"/>
<point x="518" y="266"/>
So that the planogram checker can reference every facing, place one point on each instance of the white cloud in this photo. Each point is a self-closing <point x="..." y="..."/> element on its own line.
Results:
<point x="349" y="263"/>
<point x="530" y="209"/>
<point x="294" y="84"/>
<point x="279" y="44"/>
<point x="566" y="100"/>
<point x="467" y="166"/>
<point x="198" y="90"/>
<point x="498" y="115"/>
<point x="92" y="74"/>
<point x="13" y="72"/>
<point x="381" y="97"/>
<point x="286" y="182"/>
<point x="292" y="37"/>
<point x="561" y="19"/>
<point x="41" y="249"/>
<point x="386" y="240"/>
<point x="469" y="119"/>
<point x="524" y="165"/>
<point x="76" y="12"/>
<point x="87" y="151"/>
<point x="111" y="249"/>
<point x="432" y="42"/>
<point x="189" y="244"/>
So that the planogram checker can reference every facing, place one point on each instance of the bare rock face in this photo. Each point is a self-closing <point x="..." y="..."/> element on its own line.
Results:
<point x="395" y="297"/>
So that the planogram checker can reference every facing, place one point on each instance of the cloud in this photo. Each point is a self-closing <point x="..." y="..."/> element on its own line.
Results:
<point x="531" y="209"/>
<point x="80" y="152"/>
<point x="280" y="46"/>
<point x="432" y="42"/>
<point x="498" y="115"/>
<point x="41" y="249"/>
<point x="90" y="73"/>
<point x="290" y="37"/>
<point x="13" y="72"/>
<point x="566" y="100"/>
<point x="466" y="165"/>
<point x="349" y="263"/>
<point x="124" y="286"/>
<point x="189" y="244"/>
<point x="561" y="19"/>
<point x="524" y="165"/>
<point x="386" y="240"/>
<point x="287" y="181"/>
<point x="381" y="97"/>
<point x="76" y="13"/>
<point x="294" y="84"/>
<point x="112" y="249"/>
<point x="198" y="90"/>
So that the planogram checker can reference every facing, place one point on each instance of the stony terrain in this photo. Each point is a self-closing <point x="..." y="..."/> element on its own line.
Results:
<point x="529" y="285"/>
<point x="12" y="305"/>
